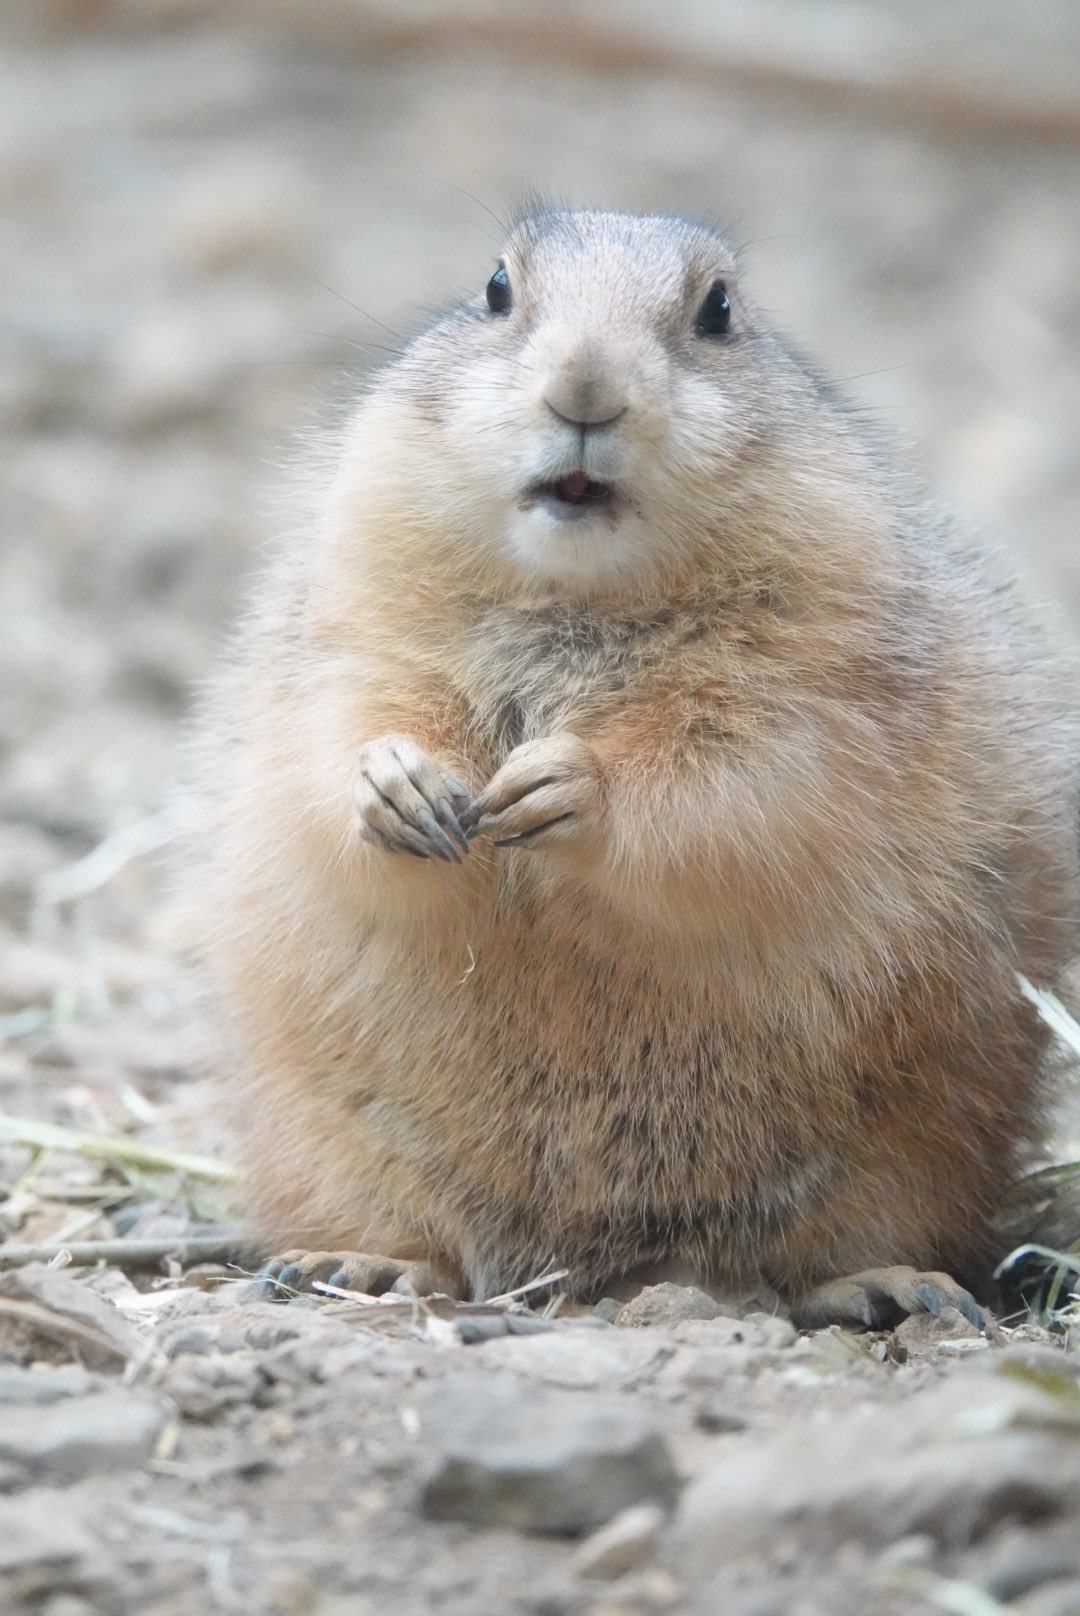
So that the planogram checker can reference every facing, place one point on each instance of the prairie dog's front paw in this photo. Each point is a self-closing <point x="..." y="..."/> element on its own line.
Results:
<point x="404" y="804"/>
<point x="547" y="792"/>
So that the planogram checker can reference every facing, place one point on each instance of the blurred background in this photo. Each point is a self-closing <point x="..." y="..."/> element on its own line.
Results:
<point x="216" y="214"/>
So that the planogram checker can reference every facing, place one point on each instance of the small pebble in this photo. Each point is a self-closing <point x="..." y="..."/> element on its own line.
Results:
<point x="539" y="1460"/>
<point x="669" y="1304"/>
<point x="627" y="1541"/>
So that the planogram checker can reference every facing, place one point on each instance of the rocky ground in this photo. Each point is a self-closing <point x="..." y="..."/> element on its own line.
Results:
<point x="197" y="203"/>
<point x="179" y="1448"/>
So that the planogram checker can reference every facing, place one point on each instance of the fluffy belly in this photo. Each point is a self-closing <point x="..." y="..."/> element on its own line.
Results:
<point x="576" y="1104"/>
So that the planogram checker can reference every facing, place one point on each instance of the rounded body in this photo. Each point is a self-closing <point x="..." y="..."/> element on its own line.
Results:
<point x="745" y="1000"/>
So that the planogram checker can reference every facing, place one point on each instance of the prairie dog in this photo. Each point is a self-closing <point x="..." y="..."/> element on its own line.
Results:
<point x="626" y="810"/>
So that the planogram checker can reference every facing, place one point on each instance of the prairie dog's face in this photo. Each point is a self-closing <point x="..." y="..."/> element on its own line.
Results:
<point x="582" y="418"/>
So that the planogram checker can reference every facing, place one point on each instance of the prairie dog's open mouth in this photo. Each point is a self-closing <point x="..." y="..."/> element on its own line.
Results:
<point x="570" y="498"/>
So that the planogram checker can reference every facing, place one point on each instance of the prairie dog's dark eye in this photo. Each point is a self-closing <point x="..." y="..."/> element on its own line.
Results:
<point x="498" y="291"/>
<point x="714" y="315"/>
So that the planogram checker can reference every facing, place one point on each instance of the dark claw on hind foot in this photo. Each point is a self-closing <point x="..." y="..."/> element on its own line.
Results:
<point x="878" y="1298"/>
<point x="298" y="1272"/>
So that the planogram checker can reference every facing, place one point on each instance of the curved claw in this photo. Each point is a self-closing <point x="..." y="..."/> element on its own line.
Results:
<point x="524" y="837"/>
<point x="878" y="1298"/>
<point x="449" y="820"/>
<point x="404" y="805"/>
<point x="296" y="1272"/>
<point x="440" y="841"/>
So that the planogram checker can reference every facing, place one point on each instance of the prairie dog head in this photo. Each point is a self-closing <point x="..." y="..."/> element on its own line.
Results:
<point x="581" y="425"/>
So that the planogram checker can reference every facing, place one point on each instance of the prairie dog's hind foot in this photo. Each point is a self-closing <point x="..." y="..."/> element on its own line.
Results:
<point x="403" y="804"/>
<point x="295" y="1272"/>
<point x="878" y="1298"/>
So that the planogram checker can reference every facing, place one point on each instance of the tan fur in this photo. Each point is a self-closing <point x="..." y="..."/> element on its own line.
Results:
<point x="753" y="1006"/>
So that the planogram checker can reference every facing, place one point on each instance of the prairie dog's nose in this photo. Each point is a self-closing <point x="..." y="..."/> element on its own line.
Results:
<point x="584" y="392"/>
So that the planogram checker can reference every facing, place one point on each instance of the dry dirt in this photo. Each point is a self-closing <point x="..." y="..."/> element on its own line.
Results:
<point x="196" y="203"/>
